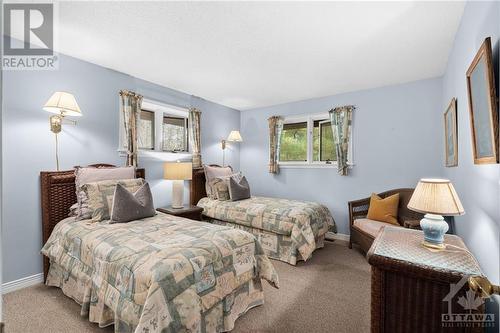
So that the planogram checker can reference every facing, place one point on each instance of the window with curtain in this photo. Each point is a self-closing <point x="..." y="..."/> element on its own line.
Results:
<point x="307" y="141"/>
<point x="161" y="128"/>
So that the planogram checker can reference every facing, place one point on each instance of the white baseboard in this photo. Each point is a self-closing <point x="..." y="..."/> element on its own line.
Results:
<point x="22" y="283"/>
<point x="340" y="237"/>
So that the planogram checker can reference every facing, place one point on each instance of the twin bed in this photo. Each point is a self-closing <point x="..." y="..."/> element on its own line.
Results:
<point x="165" y="273"/>
<point x="288" y="230"/>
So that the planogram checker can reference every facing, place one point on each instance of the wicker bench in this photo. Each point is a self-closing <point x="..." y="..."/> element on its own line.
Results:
<point x="358" y="209"/>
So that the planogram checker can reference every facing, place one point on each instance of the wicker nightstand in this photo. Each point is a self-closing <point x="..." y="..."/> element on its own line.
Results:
<point x="412" y="287"/>
<point x="189" y="212"/>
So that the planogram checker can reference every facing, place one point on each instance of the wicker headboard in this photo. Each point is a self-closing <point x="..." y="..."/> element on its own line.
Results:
<point x="197" y="190"/>
<point x="58" y="194"/>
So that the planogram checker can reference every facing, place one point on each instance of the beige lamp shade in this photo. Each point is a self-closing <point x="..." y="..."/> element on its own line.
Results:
<point x="178" y="170"/>
<point x="63" y="103"/>
<point x="234" y="136"/>
<point x="436" y="196"/>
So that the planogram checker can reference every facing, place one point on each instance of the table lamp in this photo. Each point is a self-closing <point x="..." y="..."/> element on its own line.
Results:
<point x="234" y="136"/>
<point x="62" y="104"/>
<point x="435" y="198"/>
<point x="178" y="172"/>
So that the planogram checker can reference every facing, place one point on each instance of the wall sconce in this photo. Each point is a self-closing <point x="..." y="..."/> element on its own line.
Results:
<point x="62" y="104"/>
<point x="234" y="136"/>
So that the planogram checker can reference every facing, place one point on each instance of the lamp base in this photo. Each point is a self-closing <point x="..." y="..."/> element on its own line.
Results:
<point x="434" y="228"/>
<point x="433" y="246"/>
<point x="177" y="193"/>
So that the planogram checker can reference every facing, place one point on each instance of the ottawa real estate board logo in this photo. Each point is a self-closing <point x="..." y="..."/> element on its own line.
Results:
<point x="28" y="36"/>
<point x="470" y="303"/>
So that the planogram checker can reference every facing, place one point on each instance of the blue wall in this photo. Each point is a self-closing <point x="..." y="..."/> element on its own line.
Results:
<point x="477" y="185"/>
<point x="397" y="135"/>
<point x="28" y="145"/>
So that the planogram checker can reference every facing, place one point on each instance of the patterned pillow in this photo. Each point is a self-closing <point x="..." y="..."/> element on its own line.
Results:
<point x="100" y="195"/>
<point x="219" y="187"/>
<point x="84" y="175"/>
<point x="212" y="173"/>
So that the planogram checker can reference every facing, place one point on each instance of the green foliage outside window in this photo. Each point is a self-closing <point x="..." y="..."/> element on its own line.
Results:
<point x="293" y="142"/>
<point x="324" y="149"/>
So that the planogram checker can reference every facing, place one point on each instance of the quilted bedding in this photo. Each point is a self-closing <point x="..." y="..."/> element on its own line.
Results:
<point x="159" y="274"/>
<point x="300" y="223"/>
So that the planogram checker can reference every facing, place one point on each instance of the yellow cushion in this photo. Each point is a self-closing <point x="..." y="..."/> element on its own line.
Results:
<point x="384" y="210"/>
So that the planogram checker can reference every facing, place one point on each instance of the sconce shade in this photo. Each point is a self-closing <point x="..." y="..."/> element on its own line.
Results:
<point x="63" y="103"/>
<point x="436" y="196"/>
<point x="178" y="170"/>
<point x="234" y="136"/>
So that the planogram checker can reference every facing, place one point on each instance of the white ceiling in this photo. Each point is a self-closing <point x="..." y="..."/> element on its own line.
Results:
<point x="253" y="54"/>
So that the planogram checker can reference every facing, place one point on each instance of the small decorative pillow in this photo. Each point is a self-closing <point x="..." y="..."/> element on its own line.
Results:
<point x="239" y="190"/>
<point x="219" y="187"/>
<point x="214" y="172"/>
<point x="384" y="210"/>
<point x="84" y="175"/>
<point x="129" y="206"/>
<point x="100" y="195"/>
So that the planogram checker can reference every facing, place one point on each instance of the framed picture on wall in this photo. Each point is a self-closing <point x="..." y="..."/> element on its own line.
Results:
<point x="450" y="134"/>
<point x="483" y="106"/>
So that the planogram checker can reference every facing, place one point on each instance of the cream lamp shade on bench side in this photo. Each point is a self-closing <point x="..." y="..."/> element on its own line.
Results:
<point x="435" y="198"/>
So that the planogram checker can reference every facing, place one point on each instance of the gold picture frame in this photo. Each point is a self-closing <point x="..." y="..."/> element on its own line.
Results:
<point x="483" y="106"/>
<point x="451" y="134"/>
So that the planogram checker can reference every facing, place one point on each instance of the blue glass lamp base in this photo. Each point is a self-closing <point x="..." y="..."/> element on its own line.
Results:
<point x="434" y="228"/>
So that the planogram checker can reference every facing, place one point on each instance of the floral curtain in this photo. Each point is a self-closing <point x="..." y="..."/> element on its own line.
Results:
<point x="341" y="120"/>
<point x="195" y="136"/>
<point x="275" y="126"/>
<point x="130" y="107"/>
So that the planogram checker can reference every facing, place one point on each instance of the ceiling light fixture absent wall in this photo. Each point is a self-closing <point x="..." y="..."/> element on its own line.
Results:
<point x="62" y="104"/>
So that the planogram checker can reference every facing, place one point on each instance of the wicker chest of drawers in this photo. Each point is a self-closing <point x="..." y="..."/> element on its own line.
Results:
<point x="415" y="289"/>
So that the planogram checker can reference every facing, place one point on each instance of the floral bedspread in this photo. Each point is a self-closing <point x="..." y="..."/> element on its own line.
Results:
<point x="301" y="220"/>
<point x="159" y="274"/>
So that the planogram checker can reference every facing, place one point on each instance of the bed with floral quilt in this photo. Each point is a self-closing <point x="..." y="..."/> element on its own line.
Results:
<point x="288" y="230"/>
<point x="158" y="274"/>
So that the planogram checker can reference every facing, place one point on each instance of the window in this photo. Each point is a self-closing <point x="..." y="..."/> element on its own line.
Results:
<point x="161" y="128"/>
<point x="323" y="147"/>
<point x="175" y="134"/>
<point x="307" y="141"/>
<point x="146" y="130"/>
<point x="293" y="142"/>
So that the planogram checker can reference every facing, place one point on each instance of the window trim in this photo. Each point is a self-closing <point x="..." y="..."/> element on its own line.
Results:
<point x="160" y="109"/>
<point x="310" y="163"/>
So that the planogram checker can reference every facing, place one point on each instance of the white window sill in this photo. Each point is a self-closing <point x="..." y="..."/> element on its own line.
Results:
<point x="160" y="155"/>
<point x="307" y="166"/>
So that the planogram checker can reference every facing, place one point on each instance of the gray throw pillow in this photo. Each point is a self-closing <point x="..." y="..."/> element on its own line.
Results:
<point x="129" y="206"/>
<point x="239" y="190"/>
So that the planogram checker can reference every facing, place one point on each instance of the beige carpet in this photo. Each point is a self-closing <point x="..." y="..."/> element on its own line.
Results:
<point x="329" y="293"/>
